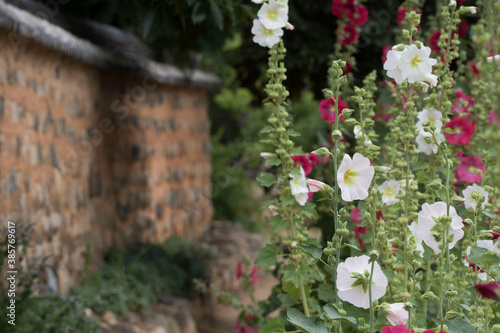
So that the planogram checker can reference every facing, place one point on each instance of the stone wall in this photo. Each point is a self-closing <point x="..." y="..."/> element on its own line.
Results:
<point x="95" y="158"/>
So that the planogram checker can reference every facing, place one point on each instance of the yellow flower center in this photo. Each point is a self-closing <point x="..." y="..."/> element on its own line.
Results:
<point x="471" y="169"/>
<point x="272" y="14"/>
<point x="268" y="32"/>
<point x="389" y="192"/>
<point x="415" y="61"/>
<point x="349" y="176"/>
<point x="296" y="181"/>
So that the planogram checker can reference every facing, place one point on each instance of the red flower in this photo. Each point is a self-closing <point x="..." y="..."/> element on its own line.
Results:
<point x="342" y="8"/>
<point x="489" y="290"/>
<point x="355" y="215"/>
<point x="349" y="35"/>
<point x="359" y="16"/>
<point x="401" y="328"/>
<point x="402" y="14"/>
<point x="463" y="27"/>
<point x="493" y="118"/>
<point x="327" y="109"/>
<point x="474" y="68"/>
<point x="315" y="159"/>
<point x="302" y="161"/>
<point x="467" y="168"/>
<point x="255" y="277"/>
<point x="358" y="231"/>
<point x="433" y="41"/>
<point x="347" y="69"/>
<point x="463" y="131"/>
<point x="495" y="235"/>
<point x="239" y="270"/>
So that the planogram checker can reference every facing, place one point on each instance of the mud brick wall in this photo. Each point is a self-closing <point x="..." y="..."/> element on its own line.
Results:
<point x="94" y="158"/>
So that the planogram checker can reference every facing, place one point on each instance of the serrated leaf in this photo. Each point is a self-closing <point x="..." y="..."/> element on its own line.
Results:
<point x="295" y="275"/>
<point x="266" y="179"/>
<point x="490" y="215"/>
<point x="288" y="300"/>
<point x="333" y="314"/>
<point x="267" y="256"/>
<point x="292" y="133"/>
<point x="273" y="161"/>
<point x="308" y="324"/>
<point x="287" y="200"/>
<point x="460" y="325"/>
<point x="273" y="325"/>
<point x="326" y="292"/>
<point x="312" y="251"/>
<point x="290" y="288"/>
<point x="309" y="210"/>
<point x="278" y="223"/>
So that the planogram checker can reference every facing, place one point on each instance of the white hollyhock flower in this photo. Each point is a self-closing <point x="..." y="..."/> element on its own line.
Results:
<point x="257" y="1"/>
<point x="412" y="227"/>
<point x="471" y="202"/>
<point x="392" y="64"/>
<point x="299" y="188"/>
<point x="358" y="134"/>
<point x="430" y="115"/>
<point x="265" y="37"/>
<point x="416" y="63"/>
<point x="273" y="15"/>
<point x="396" y="314"/>
<point x="426" y="223"/>
<point x="428" y="148"/>
<point x="432" y="79"/>
<point x="390" y="188"/>
<point x="486" y="244"/>
<point x="353" y="279"/>
<point x="354" y="177"/>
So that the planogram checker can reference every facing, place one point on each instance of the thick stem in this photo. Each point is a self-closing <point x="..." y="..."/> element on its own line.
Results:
<point x="370" y="295"/>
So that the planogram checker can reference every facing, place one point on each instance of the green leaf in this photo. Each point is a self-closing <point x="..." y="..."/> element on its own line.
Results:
<point x="266" y="179"/>
<point x="273" y="161"/>
<point x="266" y="129"/>
<point x="287" y="200"/>
<point x="421" y="164"/>
<point x="278" y="223"/>
<point x="309" y="210"/>
<point x="216" y="14"/>
<point x="293" y="291"/>
<point x="326" y="292"/>
<point x="460" y="325"/>
<point x="267" y="256"/>
<point x="295" y="275"/>
<point x="312" y="251"/>
<point x="352" y="247"/>
<point x="273" y="325"/>
<point x="292" y="133"/>
<point x="308" y="324"/>
<point x="442" y="194"/>
<point x="481" y="256"/>
<point x="490" y="214"/>
<point x="333" y="314"/>
<point x="288" y="300"/>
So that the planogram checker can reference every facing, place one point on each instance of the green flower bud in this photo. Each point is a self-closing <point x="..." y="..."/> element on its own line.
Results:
<point x="322" y="152"/>
<point x="336" y="135"/>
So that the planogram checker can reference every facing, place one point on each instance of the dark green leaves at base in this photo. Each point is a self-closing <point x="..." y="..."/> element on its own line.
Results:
<point x="308" y="324"/>
<point x="267" y="256"/>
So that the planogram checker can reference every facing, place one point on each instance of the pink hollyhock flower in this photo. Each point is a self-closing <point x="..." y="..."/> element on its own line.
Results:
<point x="302" y="161"/>
<point x="396" y="314"/>
<point x="464" y="131"/>
<point x="355" y="215"/>
<point x="359" y="16"/>
<point x="245" y="328"/>
<point x="358" y="231"/>
<point x="489" y="290"/>
<point x="315" y="185"/>
<point x="315" y="159"/>
<point x="349" y="35"/>
<point x="341" y="8"/>
<point x="255" y="277"/>
<point x="433" y="41"/>
<point x="493" y="118"/>
<point x="272" y="209"/>
<point x="327" y="109"/>
<point x="462" y="102"/>
<point x="396" y="329"/>
<point x="239" y="270"/>
<point x="474" y="68"/>
<point x="467" y="168"/>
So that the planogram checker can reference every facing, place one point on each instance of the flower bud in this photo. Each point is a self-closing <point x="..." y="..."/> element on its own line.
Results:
<point x="289" y="26"/>
<point x="322" y="152"/>
<point x="382" y="169"/>
<point x="435" y="184"/>
<point x="328" y="93"/>
<point x="346" y="113"/>
<point x="336" y="135"/>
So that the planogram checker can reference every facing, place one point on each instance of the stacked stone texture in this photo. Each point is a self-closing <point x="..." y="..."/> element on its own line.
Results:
<point x="94" y="158"/>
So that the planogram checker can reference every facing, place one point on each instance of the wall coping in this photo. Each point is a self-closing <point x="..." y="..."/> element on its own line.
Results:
<point x="30" y="26"/>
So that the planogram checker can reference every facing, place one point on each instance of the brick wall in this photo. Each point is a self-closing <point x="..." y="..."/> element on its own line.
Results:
<point x="94" y="158"/>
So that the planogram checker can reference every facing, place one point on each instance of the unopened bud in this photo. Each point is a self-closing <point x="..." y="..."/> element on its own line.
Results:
<point x="336" y="135"/>
<point x="382" y="169"/>
<point x="328" y="93"/>
<point x="322" y="152"/>
<point x="435" y="184"/>
<point x="346" y="113"/>
<point x="265" y="155"/>
<point x="289" y="26"/>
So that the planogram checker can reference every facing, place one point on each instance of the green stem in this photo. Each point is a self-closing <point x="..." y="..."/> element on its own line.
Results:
<point x="336" y="190"/>
<point x="304" y="300"/>
<point x="370" y="295"/>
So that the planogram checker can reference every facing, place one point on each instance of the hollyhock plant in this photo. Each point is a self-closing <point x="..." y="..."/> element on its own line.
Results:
<point x="349" y="35"/>
<point x="390" y="189"/>
<point x="316" y="185"/>
<point x="425" y="147"/>
<point x="299" y="188"/>
<point x="412" y="227"/>
<point x="474" y="190"/>
<point x="327" y="109"/>
<point x="302" y="161"/>
<point x="426" y="223"/>
<point x="353" y="278"/>
<point x="396" y="314"/>
<point x="354" y="177"/>
<point x="463" y="131"/>
<point x="358" y="16"/>
<point x="430" y="115"/>
<point x="468" y="168"/>
<point x="412" y="64"/>
<point x="485" y="244"/>
<point x="341" y="8"/>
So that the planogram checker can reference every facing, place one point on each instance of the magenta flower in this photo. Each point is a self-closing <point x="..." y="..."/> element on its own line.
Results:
<point x="239" y="270"/>
<point x="358" y="231"/>
<point x="463" y="131"/>
<point x="327" y="109"/>
<point x="341" y="8"/>
<point x="396" y="329"/>
<point x="355" y="215"/>
<point x="255" y="277"/>
<point x="349" y="35"/>
<point x="489" y="290"/>
<point x="462" y="102"/>
<point x="304" y="162"/>
<point x="358" y="16"/>
<point x="467" y="168"/>
<point x="493" y="118"/>
<point x="315" y="159"/>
